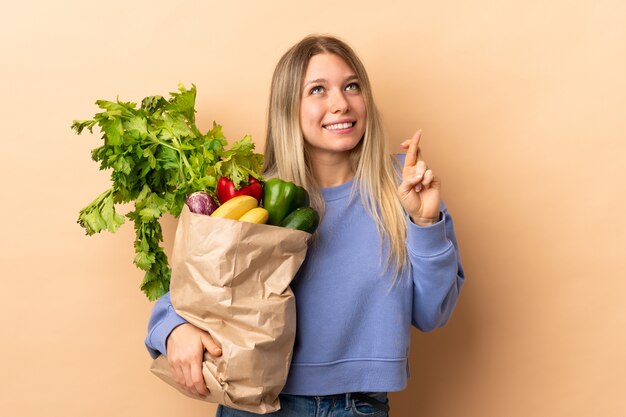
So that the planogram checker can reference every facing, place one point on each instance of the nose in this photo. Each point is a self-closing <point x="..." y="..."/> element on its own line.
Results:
<point x="338" y="103"/>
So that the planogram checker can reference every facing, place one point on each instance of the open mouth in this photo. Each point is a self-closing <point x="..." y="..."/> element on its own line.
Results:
<point x="339" y="126"/>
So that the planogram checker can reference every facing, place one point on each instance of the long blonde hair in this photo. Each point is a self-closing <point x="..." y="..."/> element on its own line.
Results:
<point x="375" y="169"/>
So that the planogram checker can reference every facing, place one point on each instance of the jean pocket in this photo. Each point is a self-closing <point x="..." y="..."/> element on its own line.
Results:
<point x="372" y="404"/>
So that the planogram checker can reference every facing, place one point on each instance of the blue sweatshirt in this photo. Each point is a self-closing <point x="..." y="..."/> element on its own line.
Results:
<point x="353" y="325"/>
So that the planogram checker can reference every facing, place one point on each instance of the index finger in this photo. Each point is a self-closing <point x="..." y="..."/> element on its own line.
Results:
<point x="413" y="153"/>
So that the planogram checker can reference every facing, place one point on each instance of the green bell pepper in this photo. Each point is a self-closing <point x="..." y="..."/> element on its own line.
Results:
<point x="281" y="198"/>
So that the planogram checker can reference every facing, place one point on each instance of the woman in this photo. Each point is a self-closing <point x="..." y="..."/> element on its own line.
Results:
<point x="385" y="255"/>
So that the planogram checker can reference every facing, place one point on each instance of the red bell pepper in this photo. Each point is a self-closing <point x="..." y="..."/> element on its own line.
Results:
<point x="226" y="189"/>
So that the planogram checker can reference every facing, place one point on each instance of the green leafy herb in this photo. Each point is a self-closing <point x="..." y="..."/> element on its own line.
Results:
<point x="158" y="157"/>
<point x="239" y="162"/>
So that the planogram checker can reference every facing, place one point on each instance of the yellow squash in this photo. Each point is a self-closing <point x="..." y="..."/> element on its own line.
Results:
<point x="256" y="215"/>
<point x="236" y="207"/>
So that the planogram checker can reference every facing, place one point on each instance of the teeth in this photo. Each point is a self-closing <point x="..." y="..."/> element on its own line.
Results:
<point x="337" y="126"/>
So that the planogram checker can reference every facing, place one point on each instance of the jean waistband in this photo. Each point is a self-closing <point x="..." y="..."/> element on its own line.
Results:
<point x="358" y="396"/>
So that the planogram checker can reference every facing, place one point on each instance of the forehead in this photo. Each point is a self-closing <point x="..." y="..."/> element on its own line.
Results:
<point x="327" y="66"/>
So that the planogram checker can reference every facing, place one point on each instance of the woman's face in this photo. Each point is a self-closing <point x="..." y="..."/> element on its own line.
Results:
<point x="332" y="110"/>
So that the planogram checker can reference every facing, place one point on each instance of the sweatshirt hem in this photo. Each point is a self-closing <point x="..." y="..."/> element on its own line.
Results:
<point x="347" y="375"/>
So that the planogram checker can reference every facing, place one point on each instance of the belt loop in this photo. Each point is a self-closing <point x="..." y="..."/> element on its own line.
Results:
<point x="359" y="396"/>
<point x="348" y="402"/>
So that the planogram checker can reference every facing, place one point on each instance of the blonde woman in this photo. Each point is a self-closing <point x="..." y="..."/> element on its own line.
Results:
<point x="385" y="255"/>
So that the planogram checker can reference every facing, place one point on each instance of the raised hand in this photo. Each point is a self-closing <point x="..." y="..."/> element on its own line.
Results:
<point x="420" y="189"/>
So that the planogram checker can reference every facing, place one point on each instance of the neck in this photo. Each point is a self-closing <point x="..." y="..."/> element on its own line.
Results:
<point x="332" y="171"/>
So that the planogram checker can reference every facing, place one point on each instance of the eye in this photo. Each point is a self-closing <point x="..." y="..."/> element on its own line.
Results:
<point x="353" y="86"/>
<point x="318" y="89"/>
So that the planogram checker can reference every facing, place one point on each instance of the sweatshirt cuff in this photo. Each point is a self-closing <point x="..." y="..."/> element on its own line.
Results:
<point x="428" y="240"/>
<point x="157" y="339"/>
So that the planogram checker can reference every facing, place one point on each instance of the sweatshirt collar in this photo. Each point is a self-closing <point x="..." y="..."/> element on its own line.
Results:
<point x="338" y="192"/>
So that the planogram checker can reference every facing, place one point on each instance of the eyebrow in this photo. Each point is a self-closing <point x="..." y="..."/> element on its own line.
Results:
<point x="323" y="80"/>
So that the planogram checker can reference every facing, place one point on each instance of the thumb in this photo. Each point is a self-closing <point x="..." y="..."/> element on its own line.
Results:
<point x="210" y="345"/>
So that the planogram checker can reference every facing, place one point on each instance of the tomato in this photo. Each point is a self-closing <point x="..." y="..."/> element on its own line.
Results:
<point x="226" y="189"/>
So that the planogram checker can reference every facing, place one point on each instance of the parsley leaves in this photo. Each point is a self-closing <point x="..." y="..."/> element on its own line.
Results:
<point x="158" y="156"/>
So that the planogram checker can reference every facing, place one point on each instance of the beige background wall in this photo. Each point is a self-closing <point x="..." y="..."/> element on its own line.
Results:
<point x="523" y="110"/>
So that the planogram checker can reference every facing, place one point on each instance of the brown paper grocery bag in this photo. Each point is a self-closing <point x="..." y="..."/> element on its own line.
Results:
<point x="232" y="279"/>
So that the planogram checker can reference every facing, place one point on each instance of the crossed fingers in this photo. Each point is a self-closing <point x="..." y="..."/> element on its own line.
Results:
<point x="415" y="171"/>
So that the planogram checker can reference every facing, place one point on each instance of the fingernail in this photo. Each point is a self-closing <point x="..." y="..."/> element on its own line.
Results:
<point x="418" y="188"/>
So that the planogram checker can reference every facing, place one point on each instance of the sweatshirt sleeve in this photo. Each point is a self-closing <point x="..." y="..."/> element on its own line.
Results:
<point x="162" y="321"/>
<point x="436" y="271"/>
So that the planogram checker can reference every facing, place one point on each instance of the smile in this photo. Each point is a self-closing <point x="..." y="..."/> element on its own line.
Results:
<point x="339" y="126"/>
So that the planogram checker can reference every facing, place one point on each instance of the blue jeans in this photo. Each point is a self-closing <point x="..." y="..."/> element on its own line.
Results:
<point x="371" y="404"/>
